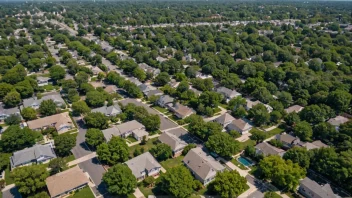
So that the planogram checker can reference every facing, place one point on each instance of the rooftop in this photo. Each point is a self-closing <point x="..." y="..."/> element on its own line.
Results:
<point x="142" y="163"/>
<point x="173" y="141"/>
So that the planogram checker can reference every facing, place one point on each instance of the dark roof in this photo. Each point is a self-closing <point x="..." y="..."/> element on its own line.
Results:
<point x="313" y="189"/>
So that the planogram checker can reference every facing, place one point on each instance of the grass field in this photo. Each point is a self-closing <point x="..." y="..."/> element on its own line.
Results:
<point x="8" y="178"/>
<point x="173" y="162"/>
<point x="83" y="193"/>
<point x="162" y="110"/>
<point x="146" y="147"/>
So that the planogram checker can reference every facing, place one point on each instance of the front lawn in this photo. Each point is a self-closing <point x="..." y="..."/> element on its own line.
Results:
<point x="275" y="131"/>
<point x="162" y="110"/>
<point x="146" y="147"/>
<point x="8" y="178"/>
<point x="249" y="142"/>
<point x="174" y="118"/>
<point x="83" y="193"/>
<point x="173" y="162"/>
<point x="145" y="190"/>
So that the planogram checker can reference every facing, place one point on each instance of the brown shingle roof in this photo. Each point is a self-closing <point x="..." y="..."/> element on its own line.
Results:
<point x="66" y="181"/>
<point x="57" y="120"/>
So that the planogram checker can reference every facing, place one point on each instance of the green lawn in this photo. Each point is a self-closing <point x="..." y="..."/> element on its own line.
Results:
<point x="162" y="110"/>
<point x="173" y="162"/>
<point x="69" y="158"/>
<point x="131" y="139"/>
<point x="83" y="193"/>
<point x="145" y="190"/>
<point x="8" y="178"/>
<point x="146" y="147"/>
<point x="174" y="118"/>
<point x="249" y="142"/>
<point x="275" y="131"/>
<point x="50" y="87"/>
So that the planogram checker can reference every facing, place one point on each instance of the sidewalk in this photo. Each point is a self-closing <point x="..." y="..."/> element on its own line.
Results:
<point x="138" y="194"/>
<point x="82" y="159"/>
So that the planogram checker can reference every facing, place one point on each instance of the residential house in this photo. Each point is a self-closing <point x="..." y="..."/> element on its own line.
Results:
<point x="112" y="110"/>
<point x="337" y="121"/>
<point x="36" y="154"/>
<point x="196" y="91"/>
<point x="161" y="59"/>
<point x="146" y="88"/>
<point x="224" y="119"/>
<point x="294" y="108"/>
<point x="42" y="81"/>
<point x="164" y="100"/>
<point x="203" y="166"/>
<point x="155" y="92"/>
<point x="134" y="128"/>
<point x="251" y="104"/>
<point x="148" y="69"/>
<point x="63" y="183"/>
<point x="111" y="89"/>
<point x="34" y="102"/>
<point x="266" y="149"/>
<point x="144" y="165"/>
<point x="203" y="76"/>
<point x="287" y="140"/>
<point x="95" y="70"/>
<point x="311" y="189"/>
<point x="228" y="93"/>
<point x="135" y="81"/>
<point x="180" y="110"/>
<point x="239" y="125"/>
<point x="97" y="84"/>
<point x="62" y="123"/>
<point x="312" y="145"/>
<point x="5" y="113"/>
<point x="177" y="145"/>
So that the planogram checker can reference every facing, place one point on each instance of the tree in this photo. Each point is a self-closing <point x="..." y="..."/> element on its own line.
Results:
<point x="113" y="152"/>
<point x="177" y="182"/>
<point x="303" y="130"/>
<point x="14" y="138"/>
<point x="229" y="184"/>
<point x="30" y="179"/>
<point x="5" y="89"/>
<point x="64" y="143"/>
<point x="260" y="114"/>
<point x="81" y="77"/>
<point x="120" y="180"/>
<point x="151" y="122"/>
<point x="298" y="155"/>
<point x="292" y="118"/>
<point x="339" y="100"/>
<point x="80" y="107"/>
<point x="285" y="174"/>
<point x="68" y="84"/>
<point x="315" y="113"/>
<point x="28" y="113"/>
<point x="162" y="79"/>
<point x="188" y="148"/>
<point x="73" y="95"/>
<point x="47" y="107"/>
<point x="161" y="152"/>
<point x="258" y="136"/>
<point x="222" y="144"/>
<point x="57" y="72"/>
<point x="15" y="75"/>
<point x="285" y="98"/>
<point x="4" y="161"/>
<point x="12" y="99"/>
<point x="96" y="120"/>
<point x="13" y="119"/>
<point x="95" y="99"/>
<point x="57" y="165"/>
<point x="24" y="88"/>
<point x="94" y="137"/>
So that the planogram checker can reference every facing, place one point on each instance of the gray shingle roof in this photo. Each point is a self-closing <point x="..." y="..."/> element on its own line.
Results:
<point x="110" y="110"/>
<point x="173" y="141"/>
<point x="32" y="154"/>
<point x="141" y="163"/>
<point x="122" y="129"/>
<point x="313" y="189"/>
<point x="202" y="164"/>
<point x="56" y="97"/>
<point x="267" y="149"/>
<point x="224" y="118"/>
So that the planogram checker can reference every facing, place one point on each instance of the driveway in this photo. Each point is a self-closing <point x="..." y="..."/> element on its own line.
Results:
<point x="164" y="122"/>
<point x="81" y="149"/>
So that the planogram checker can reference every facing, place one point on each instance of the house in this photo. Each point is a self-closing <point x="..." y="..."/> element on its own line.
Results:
<point x="224" y="119"/>
<point x="135" y="81"/>
<point x="203" y="76"/>
<point x="112" y="110"/>
<point x="34" y="102"/>
<point x="63" y="183"/>
<point x="42" y="81"/>
<point x="164" y="100"/>
<point x="311" y="189"/>
<point x="146" y="88"/>
<point x="251" y="104"/>
<point x="155" y="92"/>
<point x="294" y="108"/>
<point x="95" y="70"/>
<point x="4" y="112"/>
<point x="228" y="93"/>
<point x="203" y="166"/>
<point x="239" y="125"/>
<point x="144" y="165"/>
<point x="36" y="154"/>
<point x="177" y="145"/>
<point x="161" y="59"/>
<point x="312" y="145"/>
<point x="266" y="149"/>
<point x="196" y="91"/>
<point x="97" y="84"/>
<point x="288" y="140"/>
<point x="180" y="110"/>
<point x="134" y="128"/>
<point x="62" y="123"/>
<point x="337" y="121"/>
<point x="111" y="89"/>
<point x="148" y="69"/>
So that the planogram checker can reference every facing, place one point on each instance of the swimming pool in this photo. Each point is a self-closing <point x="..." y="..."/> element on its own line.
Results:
<point x="244" y="161"/>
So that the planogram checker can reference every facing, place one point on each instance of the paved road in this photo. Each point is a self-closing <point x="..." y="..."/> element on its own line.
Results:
<point x="164" y="122"/>
<point x="81" y="149"/>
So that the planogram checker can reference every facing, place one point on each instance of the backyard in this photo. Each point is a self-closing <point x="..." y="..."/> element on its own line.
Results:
<point x="83" y="193"/>
<point x="172" y="162"/>
<point x="146" y="147"/>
